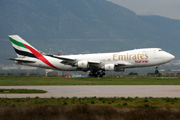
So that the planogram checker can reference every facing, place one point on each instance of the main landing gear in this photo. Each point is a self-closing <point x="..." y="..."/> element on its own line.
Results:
<point x="156" y="71"/>
<point x="97" y="73"/>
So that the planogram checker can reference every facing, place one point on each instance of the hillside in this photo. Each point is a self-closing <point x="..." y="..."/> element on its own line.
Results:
<point x="82" y="26"/>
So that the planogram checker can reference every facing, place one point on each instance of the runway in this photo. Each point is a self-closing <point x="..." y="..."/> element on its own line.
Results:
<point x="99" y="91"/>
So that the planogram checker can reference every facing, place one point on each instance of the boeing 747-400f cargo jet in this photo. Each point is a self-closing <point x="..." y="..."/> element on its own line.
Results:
<point x="97" y="63"/>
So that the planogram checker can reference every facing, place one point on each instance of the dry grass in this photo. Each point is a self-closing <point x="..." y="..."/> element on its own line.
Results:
<point x="85" y="112"/>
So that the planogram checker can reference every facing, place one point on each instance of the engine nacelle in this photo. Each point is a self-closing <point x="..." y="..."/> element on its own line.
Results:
<point x="83" y="64"/>
<point x="109" y="67"/>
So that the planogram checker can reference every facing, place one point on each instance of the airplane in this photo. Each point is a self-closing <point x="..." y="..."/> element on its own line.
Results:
<point x="96" y="63"/>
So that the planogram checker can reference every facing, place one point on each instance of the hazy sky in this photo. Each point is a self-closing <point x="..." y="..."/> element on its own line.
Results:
<point x="167" y="8"/>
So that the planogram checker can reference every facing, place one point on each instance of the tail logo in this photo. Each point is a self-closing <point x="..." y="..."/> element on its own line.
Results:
<point x="27" y="50"/>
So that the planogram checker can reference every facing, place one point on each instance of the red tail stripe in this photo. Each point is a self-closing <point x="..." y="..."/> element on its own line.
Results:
<point x="39" y="56"/>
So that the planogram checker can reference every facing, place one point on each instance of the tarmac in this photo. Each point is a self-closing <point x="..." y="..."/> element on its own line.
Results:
<point x="98" y="91"/>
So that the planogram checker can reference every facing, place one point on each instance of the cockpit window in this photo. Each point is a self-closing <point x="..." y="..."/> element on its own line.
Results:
<point x="160" y="50"/>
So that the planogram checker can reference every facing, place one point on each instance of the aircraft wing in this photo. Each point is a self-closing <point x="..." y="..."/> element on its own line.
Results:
<point x="66" y="61"/>
<point x="73" y="62"/>
<point x="92" y="64"/>
<point x="22" y="60"/>
<point x="123" y="64"/>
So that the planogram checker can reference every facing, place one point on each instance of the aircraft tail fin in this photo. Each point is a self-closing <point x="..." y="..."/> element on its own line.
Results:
<point x="22" y="48"/>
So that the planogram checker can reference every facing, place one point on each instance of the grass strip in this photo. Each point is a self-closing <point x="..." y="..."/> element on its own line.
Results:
<point x="129" y="102"/>
<point x="20" y="91"/>
<point x="16" y="81"/>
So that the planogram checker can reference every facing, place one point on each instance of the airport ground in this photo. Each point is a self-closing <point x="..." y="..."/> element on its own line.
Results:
<point x="85" y="112"/>
<point x="35" y="81"/>
<point x="91" y="108"/>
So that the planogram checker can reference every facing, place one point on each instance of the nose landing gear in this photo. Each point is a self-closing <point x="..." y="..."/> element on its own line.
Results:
<point x="156" y="71"/>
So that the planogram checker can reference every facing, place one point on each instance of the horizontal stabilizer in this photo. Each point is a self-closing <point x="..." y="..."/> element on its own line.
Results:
<point x="21" y="60"/>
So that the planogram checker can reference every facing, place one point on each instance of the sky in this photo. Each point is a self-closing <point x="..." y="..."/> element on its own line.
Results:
<point x="166" y="8"/>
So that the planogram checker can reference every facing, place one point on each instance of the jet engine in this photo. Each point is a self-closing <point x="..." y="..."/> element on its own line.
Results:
<point x="112" y="67"/>
<point x="83" y="64"/>
<point x="109" y="67"/>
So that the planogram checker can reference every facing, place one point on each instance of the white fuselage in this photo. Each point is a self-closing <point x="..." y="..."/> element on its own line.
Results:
<point x="130" y="59"/>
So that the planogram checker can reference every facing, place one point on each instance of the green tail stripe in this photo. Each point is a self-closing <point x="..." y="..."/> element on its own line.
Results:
<point x="17" y="43"/>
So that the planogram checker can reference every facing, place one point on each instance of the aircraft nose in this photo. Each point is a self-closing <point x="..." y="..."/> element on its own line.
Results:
<point x="171" y="57"/>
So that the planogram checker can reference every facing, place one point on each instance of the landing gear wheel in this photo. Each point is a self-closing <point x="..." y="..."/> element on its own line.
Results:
<point x="95" y="73"/>
<point x="156" y="71"/>
<point x="101" y="73"/>
<point x="101" y="76"/>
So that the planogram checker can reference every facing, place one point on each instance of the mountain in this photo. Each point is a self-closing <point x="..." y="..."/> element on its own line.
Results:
<point x="168" y="30"/>
<point x="83" y="26"/>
